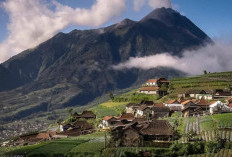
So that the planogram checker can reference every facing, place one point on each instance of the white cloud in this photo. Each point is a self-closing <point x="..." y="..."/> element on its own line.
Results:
<point x="160" y="3"/>
<point x="138" y="4"/>
<point x="32" y="21"/>
<point x="213" y="58"/>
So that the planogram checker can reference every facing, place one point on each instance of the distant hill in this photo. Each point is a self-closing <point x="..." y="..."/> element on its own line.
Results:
<point x="75" y="68"/>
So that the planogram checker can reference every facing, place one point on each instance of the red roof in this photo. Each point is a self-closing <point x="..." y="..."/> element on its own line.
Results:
<point x="106" y="118"/>
<point x="230" y="104"/>
<point x="230" y="100"/>
<point x="152" y="80"/>
<point x="172" y="101"/>
<point x="185" y="102"/>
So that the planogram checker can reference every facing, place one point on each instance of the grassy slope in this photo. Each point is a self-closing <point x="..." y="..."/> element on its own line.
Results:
<point x="206" y="82"/>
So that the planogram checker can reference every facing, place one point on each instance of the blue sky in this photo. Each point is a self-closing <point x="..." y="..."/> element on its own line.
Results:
<point x="212" y="16"/>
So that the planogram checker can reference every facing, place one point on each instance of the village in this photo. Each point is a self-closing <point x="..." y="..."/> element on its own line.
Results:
<point x="140" y="123"/>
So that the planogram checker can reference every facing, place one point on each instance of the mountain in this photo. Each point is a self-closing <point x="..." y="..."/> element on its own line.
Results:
<point x="75" y="68"/>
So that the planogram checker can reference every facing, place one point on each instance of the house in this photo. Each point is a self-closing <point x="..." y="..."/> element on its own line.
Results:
<point x="85" y="115"/>
<point x="160" y="130"/>
<point x="149" y="90"/>
<point x="78" y="128"/>
<point x="187" y="103"/>
<point x="220" y="93"/>
<point x="143" y="111"/>
<point x="127" y="116"/>
<point x="131" y="108"/>
<point x="156" y="82"/>
<point x="131" y="137"/>
<point x="134" y="134"/>
<point x="160" y="112"/>
<point x="174" y="105"/>
<point x="215" y="107"/>
<point x="108" y="121"/>
<point x="152" y="86"/>
<point x="198" y="94"/>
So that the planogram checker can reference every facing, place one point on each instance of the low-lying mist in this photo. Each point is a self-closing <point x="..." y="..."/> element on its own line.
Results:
<point x="215" y="57"/>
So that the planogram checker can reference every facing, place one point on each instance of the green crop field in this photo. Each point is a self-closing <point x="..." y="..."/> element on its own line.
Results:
<point x="109" y="108"/>
<point x="210" y="123"/>
<point x="81" y="145"/>
<point x="207" y="82"/>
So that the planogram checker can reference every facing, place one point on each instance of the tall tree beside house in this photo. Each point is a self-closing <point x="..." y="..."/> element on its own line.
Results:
<point x="163" y="89"/>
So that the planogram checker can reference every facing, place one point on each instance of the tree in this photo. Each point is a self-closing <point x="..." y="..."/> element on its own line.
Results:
<point x="111" y="95"/>
<point x="70" y="111"/>
<point x="164" y="88"/>
<point x="205" y="72"/>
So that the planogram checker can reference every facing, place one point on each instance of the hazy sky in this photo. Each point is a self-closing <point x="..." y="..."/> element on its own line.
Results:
<point x="26" y="23"/>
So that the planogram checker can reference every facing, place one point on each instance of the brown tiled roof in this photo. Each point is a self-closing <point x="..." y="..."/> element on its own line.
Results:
<point x="152" y="80"/>
<point x="149" y="88"/>
<point x="148" y="103"/>
<point x="185" y="102"/>
<point x="160" y="109"/>
<point x="203" y="102"/>
<point x="212" y="102"/>
<point x="132" y="104"/>
<point x="88" y="114"/>
<point x="172" y="101"/>
<point x="82" y="125"/>
<point x="157" y="127"/>
<point x="127" y="116"/>
<point x="142" y="107"/>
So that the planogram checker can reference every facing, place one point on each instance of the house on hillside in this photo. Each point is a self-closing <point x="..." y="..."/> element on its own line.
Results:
<point x="215" y="107"/>
<point x="135" y="134"/>
<point x="153" y="86"/>
<point x="160" y="130"/>
<point x="143" y="111"/>
<point x="198" y="94"/>
<point x="127" y="116"/>
<point x="220" y="93"/>
<point x="149" y="90"/>
<point x="156" y="82"/>
<point x="174" y="105"/>
<point x="160" y="112"/>
<point x="108" y="121"/>
<point x="131" y="108"/>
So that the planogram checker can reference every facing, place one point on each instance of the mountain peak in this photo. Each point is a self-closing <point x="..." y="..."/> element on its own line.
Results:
<point x="125" y="22"/>
<point x="165" y="15"/>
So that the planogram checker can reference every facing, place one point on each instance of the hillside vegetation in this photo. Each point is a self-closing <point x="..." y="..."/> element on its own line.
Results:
<point x="209" y="81"/>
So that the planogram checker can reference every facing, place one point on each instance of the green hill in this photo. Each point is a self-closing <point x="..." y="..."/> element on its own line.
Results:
<point x="219" y="80"/>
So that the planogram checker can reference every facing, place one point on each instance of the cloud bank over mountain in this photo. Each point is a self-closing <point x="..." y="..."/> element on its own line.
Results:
<point x="213" y="58"/>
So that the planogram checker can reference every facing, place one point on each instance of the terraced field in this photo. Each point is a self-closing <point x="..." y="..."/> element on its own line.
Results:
<point x="207" y="82"/>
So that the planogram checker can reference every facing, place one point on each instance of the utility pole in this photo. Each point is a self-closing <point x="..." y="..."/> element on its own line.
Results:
<point x="105" y="140"/>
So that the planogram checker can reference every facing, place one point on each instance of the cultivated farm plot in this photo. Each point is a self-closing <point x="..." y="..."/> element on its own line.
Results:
<point x="86" y="145"/>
